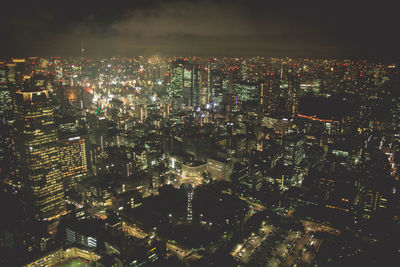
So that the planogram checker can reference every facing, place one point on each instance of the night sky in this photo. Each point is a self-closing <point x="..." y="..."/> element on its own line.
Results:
<point x="203" y="28"/>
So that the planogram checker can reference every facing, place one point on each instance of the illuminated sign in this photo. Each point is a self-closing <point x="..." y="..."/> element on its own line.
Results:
<point x="74" y="138"/>
<point x="15" y="60"/>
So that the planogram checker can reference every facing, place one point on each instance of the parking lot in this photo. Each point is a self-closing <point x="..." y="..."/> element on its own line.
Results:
<point x="244" y="250"/>
<point x="272" y="246"/>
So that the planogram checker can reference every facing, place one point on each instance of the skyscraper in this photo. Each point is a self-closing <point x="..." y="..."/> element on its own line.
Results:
<point x="187" y="85"/>
<point x="5" y="123"/>
<point x="246" y="91"/>
<point x="177" y="82"/>
<point x="5" y="94"/>
<point x="269" y="93"/>
<point x="38" y="154"/>
<point x="195" y="102"/>
<point x="73" y="159"/>
<point x="293" y="150"/>
<point x="216" y="78"/>
<point x="204" y="89"/>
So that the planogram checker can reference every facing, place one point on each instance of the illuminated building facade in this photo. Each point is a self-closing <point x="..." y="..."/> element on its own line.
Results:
<point x="177" y="82"/>
<point x="216" y="88"/>
<point x="195" y="96"/>
<point x="63" y="255"/>
<point x="293" y="155"/>
<point x="293" y="150"/>
<point x="73" y="160"/>
<point x="219" y="169"/>
<point x="38" y="154"/>
<point x="204" y="89"/>
<point x="194" y="169"/>
<point x="396" y="118"/>
<point x="6" y="106"/>
<point x="269" y="93"/>
<point x="5" y="94"/>
<point x="187" y="86"/>
<point x="75" y="237"/>
<point x="246" y="92"/>
<point x="11" y="74"/>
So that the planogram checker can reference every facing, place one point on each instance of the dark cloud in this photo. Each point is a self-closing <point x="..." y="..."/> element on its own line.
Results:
<point x="147" y="27"/>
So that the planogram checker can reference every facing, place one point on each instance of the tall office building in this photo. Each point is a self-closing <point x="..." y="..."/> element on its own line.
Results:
<point x="5" y="122"/>
<point x="244" y="70"/>
<point x="38" y="157"/>
<point x="19" y="70"/>
<point x="11" y="74"/>
<point x="5" y="94"/>
<point x="177" y="82"/>
<point x="187" y="85"/>
<point x="246" y="92"/>
<point x="12" y="78"/>
<point x="195" y="102"/>
<point x="216" y="78"/>
<point x="204" y="89"/>
<point x="269" y="93"/>
<point x="293" y="94"/>
<point x="293" y="150"/>
<point x="73" y="159"/>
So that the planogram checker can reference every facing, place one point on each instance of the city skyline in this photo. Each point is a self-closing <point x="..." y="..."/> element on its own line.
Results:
<point x="199" y="161"/>
<point x="199" y="134"/>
